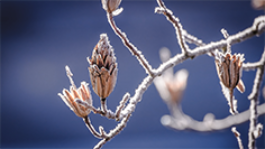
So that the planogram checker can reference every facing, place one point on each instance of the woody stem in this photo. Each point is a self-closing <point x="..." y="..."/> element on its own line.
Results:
<point x="231" y="101"/>
<point x="103" y="105"/>
<point x="91" y="128"/>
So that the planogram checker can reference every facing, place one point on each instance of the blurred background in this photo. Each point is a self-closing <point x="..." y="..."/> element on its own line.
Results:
<point x="38" y="38"/>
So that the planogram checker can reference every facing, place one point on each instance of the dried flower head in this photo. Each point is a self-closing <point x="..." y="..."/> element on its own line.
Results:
<point x="170" y="86"/>
<point x="229" y="69"/>
<point x="111" y="6"/>
<point x="103" y="68"/>
<point x="70" y="97"/>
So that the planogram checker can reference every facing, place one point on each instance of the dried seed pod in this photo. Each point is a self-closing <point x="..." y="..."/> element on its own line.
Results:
<point x="83" y="93"/>
<point x="103" y="68"/>
<point x="229" y="69"/>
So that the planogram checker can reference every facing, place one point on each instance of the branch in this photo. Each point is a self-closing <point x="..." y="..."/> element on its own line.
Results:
<point x="138" y="54"/>
<point x="92" y="129"/>
<point x="192" y="39"/>
<point x="113" y="132"/>
<point x="209" y="123"/>
<point x="237" y="135"/>
<point x="177" y="25"/>
<point x="105" y="111"/>
<point x="125" y="99"/>
<point x="137" y="97"/>
<point x="103" y="135"/>
<point x="253" y="97"/>
<point x="256" y="29"/>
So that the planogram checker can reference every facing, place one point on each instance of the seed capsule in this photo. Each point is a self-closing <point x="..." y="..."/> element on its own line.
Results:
<point x="82" y="93"/>
<point x="103" y="68"/>
<point x="229" y="69"/>
<point x="110" y="5"/>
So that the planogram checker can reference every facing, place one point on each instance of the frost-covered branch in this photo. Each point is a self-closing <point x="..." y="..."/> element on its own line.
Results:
<point x="130" y="46"/>
<point x="237" y="135"/>
<point x="113" y="132"/>
<point x="176" y="23"/>
<point x="192" y="39"/>
<point x="92" y="129"/>
<point x="256" y="29"/>
<point x="254" y="102"/>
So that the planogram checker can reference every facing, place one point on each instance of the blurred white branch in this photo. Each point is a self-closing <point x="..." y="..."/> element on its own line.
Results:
<point x="209" y="123"/>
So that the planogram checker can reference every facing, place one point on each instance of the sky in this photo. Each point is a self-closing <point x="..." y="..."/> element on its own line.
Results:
<point x="38" y="38"/>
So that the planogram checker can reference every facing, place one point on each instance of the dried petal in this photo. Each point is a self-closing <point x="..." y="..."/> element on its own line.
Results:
<point x="240" y="86"/>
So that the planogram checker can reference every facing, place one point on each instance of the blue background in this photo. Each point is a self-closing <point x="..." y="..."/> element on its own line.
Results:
<point x="38" y="38"/>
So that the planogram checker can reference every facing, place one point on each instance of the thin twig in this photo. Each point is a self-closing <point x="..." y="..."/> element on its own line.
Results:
<point x="176" y="23"/>
<point x="124" y="100"/>
<point x="113" y="132"/>
<point x="237" y="135"/>
<point x="130" y="46"/>
<point x="91" y="128"/>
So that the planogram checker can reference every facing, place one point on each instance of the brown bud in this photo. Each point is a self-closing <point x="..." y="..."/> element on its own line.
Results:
<point x="83" y="93"/>
<point x="103" y="68"/>
<point x="229" y="69"/>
